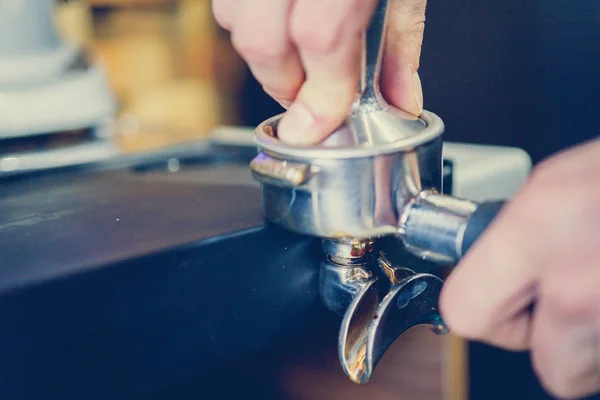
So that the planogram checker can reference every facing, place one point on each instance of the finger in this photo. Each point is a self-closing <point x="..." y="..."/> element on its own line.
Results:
<point x="400" y="82"/>
<point x="579" y="163"/>
<point x="566" y="333"/>
<point x="260" y="35"/>
<point x="486" y="296"/>
<point x="328" y="36"/>
<point x="285" y="103"/>
<point x="224" y="12"/>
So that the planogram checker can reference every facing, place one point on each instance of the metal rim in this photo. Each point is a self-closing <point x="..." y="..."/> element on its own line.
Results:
<point x="434" y="128"/>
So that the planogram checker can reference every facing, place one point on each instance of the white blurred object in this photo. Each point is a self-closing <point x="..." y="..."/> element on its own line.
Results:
<point x="49" y="86"/>
<point x="46" y="84"/>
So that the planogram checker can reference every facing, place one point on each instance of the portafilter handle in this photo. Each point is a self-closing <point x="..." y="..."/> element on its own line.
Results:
<point x="443" y="228"/>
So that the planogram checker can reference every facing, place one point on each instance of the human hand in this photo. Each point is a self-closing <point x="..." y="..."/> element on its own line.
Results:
<point x="543" y="248"/>
<point x="306" y="54"/>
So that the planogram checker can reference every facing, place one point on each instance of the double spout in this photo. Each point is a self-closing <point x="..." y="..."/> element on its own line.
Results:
<point x="378" y="302"/>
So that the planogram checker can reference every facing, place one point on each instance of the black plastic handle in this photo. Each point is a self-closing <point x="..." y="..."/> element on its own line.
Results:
<point x="479" y="221"/>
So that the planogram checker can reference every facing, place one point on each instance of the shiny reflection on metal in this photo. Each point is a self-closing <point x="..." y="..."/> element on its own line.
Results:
<point x="382" y="311"/>
<point x="340" y="284"/>
<point x="373" y="126"/>
<point x="392" y="272"/>
<point x="266" y="167"/>
<point x="341" y="143"/>
<point x="355" y="183"/>
<point x="433" y="226"/>
<point x="358" y="197"/>
<point x="379" y="302"/>
<point x="373" y="322"/>
<point x="350" y="251"/>
<point x="345" y="271"/>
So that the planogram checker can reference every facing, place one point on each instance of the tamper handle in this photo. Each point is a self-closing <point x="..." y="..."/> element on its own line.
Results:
<point x="370" y="96"/>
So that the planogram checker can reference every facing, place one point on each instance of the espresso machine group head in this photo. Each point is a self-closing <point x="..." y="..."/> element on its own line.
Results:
<point x="378" y="175"/>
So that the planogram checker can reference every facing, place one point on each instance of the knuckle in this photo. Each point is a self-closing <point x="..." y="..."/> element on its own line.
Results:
<point x="409" y="8"/>
<point x="315" y="40"/>
<point x="410" y="42"/>
<point x="258" y="50"/>
<point x="281" y="93"/>
<point x="581" y="216"/>
<point x="327" y="29"/>
<point x="542" y="197"/>
<point x="545" y="173"/>
<point x="568" y="303"/>
<point x="574" y="202"/>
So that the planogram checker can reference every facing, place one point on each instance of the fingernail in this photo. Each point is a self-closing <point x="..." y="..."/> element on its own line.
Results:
<point x="418" y="91"/>
<point x="297" y="125"/>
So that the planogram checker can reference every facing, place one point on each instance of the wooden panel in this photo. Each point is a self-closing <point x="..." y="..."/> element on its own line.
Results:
<point x="418" y="366"/>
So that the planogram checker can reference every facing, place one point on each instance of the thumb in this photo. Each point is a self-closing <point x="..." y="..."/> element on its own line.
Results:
<point x="400" y="82"/>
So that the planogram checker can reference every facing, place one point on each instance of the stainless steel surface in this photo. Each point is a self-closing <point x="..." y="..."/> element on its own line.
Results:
<point x="290" y="172"/>
<point x="340" y="283"/>
<point x="341" y="144"/>
<point x="373" y="121"/>
<point x="355" y="183"/>
<point x="379" y="301"/>
<point x="357" y="197"/>
<point x="379" y="174"/>
<point x="350" y="251"/>
<point x="433" y="225"/>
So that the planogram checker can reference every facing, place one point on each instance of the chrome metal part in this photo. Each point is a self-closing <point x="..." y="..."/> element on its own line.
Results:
<point x="345" y="272"/>
<point x="341" y="196"/>
<point x="355" y="183"/>
<point x="379" y="302"/>
<point x="378" y="174"/>
<point x="433" y="226"/>
<point x="269" y="168"/>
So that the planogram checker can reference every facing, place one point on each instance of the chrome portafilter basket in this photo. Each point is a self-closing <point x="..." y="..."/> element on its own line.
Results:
<point x="379" y="174"/>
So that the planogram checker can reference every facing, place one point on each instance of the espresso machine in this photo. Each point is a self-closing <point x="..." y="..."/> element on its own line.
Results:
<point x="120" y="274"/>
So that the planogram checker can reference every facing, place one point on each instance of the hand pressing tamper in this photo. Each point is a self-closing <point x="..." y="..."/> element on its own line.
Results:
<point x="378" y="174"/>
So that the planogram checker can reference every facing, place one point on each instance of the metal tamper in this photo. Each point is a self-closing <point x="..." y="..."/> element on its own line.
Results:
<point x="379" y="174"/>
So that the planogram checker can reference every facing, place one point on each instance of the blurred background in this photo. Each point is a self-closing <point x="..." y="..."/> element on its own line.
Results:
<point x="173" y="71"/>
<point x="517" y="73"/>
